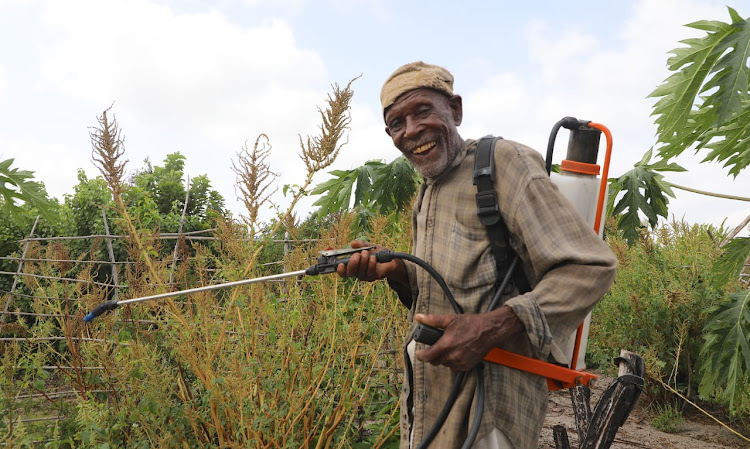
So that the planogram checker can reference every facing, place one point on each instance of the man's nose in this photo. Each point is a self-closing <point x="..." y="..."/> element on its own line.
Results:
<point x="412" y="127"/>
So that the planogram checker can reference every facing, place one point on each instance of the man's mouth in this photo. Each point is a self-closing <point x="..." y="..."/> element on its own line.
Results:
<point x="423" y="148"/>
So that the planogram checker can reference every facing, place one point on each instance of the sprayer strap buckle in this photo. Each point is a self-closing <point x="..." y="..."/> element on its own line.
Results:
<point x="487" y="208"/>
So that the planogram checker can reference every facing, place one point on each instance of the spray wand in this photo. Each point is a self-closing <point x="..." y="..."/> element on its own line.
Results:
<point x="328" y="260"/>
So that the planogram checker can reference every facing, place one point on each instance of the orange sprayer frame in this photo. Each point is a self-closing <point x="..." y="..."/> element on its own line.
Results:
<point x="559" y="377"/>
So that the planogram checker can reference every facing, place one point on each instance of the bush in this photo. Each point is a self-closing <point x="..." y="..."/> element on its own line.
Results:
<point x="657" y="304"/>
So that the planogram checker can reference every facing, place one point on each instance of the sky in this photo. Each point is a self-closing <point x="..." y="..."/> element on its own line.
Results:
<point x="203" y="78"/>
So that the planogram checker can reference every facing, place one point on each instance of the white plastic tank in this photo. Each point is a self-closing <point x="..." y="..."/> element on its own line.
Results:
<point x="580" y="184"/>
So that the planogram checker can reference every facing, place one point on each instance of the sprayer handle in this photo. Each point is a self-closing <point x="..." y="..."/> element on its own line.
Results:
<point x="427" y="334"/>
<point x="101" y="308"/>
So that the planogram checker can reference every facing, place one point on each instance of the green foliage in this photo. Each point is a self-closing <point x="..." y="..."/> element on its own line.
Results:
<point x="668" y="419"/>
<point x="378" y="188"/>
<point x="706" y="100"/>
<point x="165" y="189"/>
<point x="645" y="191"/>
<point x="658" y="305"/>
<point x="703" y="104"/>
<point x="726" y="353"/>
<point x="89" y="197"/>
<point x="732" y="260"/>
<point x="18" y="186"/>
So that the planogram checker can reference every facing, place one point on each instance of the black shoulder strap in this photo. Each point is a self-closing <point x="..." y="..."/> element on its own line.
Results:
<point x="488" y="211"/>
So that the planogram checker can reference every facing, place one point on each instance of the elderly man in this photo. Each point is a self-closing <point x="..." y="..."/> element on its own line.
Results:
<point x="567" y="266"/>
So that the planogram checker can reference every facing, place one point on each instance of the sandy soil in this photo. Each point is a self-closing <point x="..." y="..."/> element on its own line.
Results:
<point x="637" y="432"/>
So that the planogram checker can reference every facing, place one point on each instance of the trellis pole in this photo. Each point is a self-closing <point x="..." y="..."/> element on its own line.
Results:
<point x="111" y="256"/>
<point x="18" y="271"/>
<point x="179" y="231"/>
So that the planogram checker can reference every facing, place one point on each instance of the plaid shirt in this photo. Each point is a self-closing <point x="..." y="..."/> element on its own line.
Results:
<point x="569" y="267"/>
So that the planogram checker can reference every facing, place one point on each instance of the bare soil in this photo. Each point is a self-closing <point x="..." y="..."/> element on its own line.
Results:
<point x="695" y="433"/>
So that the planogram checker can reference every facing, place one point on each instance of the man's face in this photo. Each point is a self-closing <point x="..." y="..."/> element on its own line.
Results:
<point x="422" y="124"/>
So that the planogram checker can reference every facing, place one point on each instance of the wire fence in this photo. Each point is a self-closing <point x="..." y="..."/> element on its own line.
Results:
<point x="32" y="268"/>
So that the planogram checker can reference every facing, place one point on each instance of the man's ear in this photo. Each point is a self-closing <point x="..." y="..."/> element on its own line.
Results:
<point x="388" y="131"/>
<point x="456" y="105"/>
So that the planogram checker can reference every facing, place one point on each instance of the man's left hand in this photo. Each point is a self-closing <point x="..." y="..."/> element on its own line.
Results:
<point x="467" y="338"/>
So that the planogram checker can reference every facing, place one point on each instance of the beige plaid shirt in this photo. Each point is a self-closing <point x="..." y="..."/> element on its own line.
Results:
<point x="569" y="267"/>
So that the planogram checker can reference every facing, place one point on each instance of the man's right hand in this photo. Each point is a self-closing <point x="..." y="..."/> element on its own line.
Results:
<point x="365" y="267"/>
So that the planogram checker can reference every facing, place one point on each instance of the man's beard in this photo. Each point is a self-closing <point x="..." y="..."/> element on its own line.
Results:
<point x="437" y="163"/>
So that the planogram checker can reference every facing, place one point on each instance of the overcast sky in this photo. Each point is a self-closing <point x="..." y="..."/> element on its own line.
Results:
<point x="202" y="78"/>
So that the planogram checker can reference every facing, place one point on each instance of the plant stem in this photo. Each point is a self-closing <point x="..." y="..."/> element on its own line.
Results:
<point x="703" y="192"/>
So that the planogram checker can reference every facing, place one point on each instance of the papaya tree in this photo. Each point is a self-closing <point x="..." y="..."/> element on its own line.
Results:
<point x="703" y="105"/>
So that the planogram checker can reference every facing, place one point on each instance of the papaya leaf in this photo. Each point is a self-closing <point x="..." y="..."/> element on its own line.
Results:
<point x="730" y="143"/>
<point x="376" y="186"/>
<point x="706" y="102"/>
<point x="17" y="187"/>
<point x="395" y="185"/>
<point x="731" y="72"/>
<point x="729" y="265"/>
<point x="336" y="192"/>
<point x="691" y="64"/>
<point x="726" y="350"/>
<point x="644" y="192"/>
<point x="366" y="175"/>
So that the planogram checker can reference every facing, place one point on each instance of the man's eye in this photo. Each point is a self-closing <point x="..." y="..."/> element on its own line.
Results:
<point x="423" y="112"/>
<point x="395" y="125"/>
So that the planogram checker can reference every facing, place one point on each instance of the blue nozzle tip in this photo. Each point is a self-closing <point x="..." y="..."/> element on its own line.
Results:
<point x="88" y="318"/>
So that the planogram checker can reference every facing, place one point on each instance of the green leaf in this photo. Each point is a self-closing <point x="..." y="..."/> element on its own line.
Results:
<point x="705" y="101"/>
<point x="375" y="184"/>
<point x="395" y="185"/>
<point x="726" y="350"/>
<point x="692" y="65"/>
<point x="731" y="72"/>
<point x="644" y="192"/>
<point x="730" y="143"/>
<point x="336" y="192"/>
<point x="18" y="186"/>
<point x="732" y="260"/>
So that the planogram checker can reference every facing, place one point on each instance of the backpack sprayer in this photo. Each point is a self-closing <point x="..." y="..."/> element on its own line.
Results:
<point x="578" y="181"/>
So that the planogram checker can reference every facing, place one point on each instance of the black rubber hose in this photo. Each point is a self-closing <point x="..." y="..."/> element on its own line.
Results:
<point x="478" y="408"/>
<point x="567" y="123"/>
<point x="386" y="255"/>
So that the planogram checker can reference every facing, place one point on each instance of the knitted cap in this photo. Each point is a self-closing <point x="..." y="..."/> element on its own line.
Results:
<point x="413" y="76"/>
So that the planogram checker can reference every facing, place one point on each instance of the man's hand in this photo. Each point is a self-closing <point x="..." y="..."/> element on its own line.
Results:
<point x="365" y="267"/>
<point x="468" y="337"/>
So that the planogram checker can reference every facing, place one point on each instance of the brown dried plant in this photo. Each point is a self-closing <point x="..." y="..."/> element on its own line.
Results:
<point x="107" y="148"/>
<point x="254" y="177"/>
<point x="320" y="151"/>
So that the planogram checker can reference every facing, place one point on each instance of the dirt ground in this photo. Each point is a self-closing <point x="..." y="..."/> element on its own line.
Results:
<point x="695" y="433"/>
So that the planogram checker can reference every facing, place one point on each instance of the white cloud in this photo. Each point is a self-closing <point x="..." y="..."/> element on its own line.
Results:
<point x="197" y="83"/>
<point x="194" y="69"/>
<point x="3" y="83"/>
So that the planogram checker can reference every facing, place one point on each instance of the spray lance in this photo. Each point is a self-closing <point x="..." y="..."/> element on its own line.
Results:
<point x="328" y="260"/>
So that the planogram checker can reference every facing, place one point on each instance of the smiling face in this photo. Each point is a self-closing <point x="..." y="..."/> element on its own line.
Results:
<point x="422" y="124"/>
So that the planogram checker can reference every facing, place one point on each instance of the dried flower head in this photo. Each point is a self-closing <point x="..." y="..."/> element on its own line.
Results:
<point x="254" y="177"/>
<point x="320" y="151"/>
<point x="107" y="148"/>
